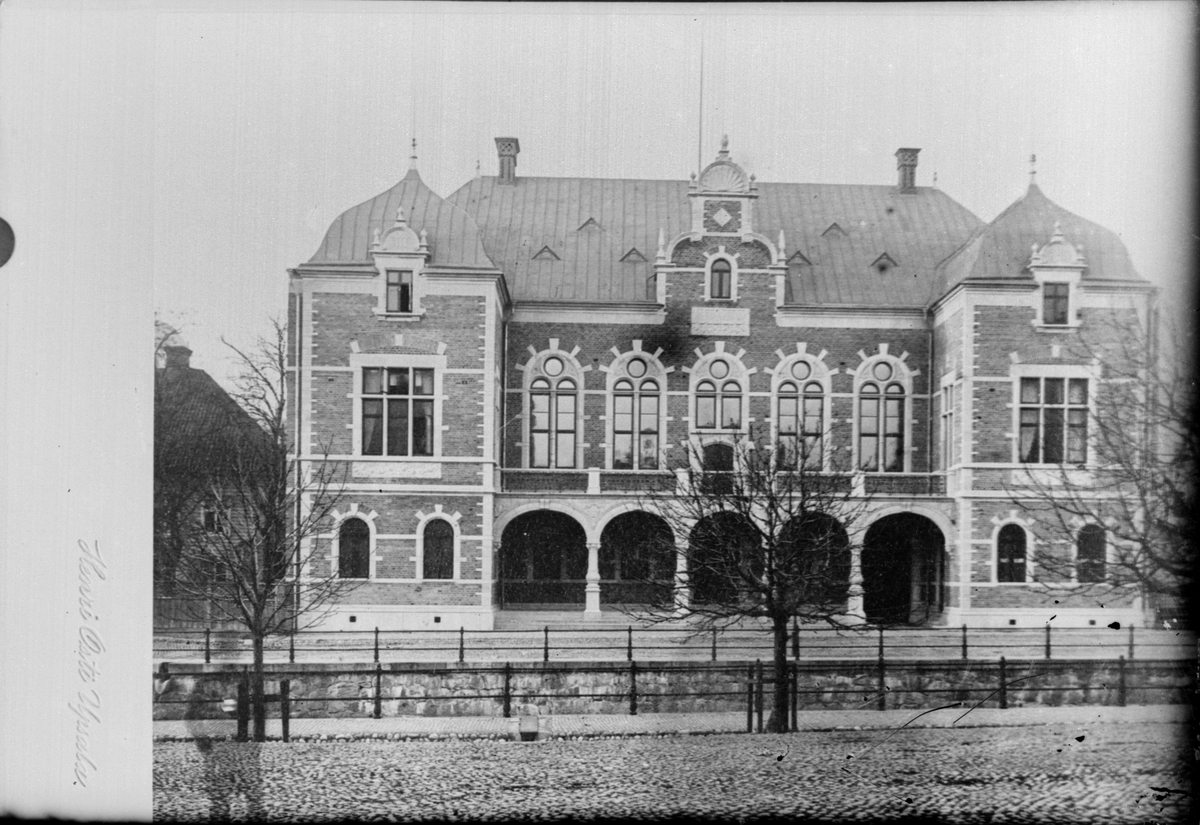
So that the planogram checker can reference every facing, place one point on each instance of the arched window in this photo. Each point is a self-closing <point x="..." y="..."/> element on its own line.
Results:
<point x="552" y="418"/>
<point x="1010" y="554"/>
<point x="635" y="419"/>
<point x="720" y="280"/>
<point x="1090" y="554"/>
<point x="881" y="422"/>
<point x="801" y="418"/>
<point x="438" y="550"/>
<point x="354" y="549"/>
<point x="719" y="409"/>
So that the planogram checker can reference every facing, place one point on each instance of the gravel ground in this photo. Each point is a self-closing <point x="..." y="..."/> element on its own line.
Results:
<point x="1130" y="773"/>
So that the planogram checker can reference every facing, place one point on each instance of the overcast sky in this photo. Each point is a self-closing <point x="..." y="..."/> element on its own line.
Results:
<point x="268" y="123"/>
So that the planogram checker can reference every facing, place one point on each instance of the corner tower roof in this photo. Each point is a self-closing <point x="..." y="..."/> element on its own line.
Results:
<point x="454" y="239"/>
<point x="1000" y="250"/>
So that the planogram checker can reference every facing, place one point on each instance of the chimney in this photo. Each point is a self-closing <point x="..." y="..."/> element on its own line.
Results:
<point x="508" y="148"/>
<point x="906" y="163"/>
<point x="178" y="356"/>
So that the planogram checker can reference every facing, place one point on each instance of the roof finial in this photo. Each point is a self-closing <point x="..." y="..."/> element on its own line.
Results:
<point x="477" y="172"/>
<point x="412" y="159"/>
<point x="661" y="256"/>
<point x="1032" y="170"/>
<point x="935" y="179"/>
<point x="782" y="253"/>
<point x="724" y="146"/>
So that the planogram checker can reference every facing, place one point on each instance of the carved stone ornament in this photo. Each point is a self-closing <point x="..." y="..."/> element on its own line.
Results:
<point x="724" y="176"/>
<point x="400" y="237"/>
<point x="1058" y="252"/>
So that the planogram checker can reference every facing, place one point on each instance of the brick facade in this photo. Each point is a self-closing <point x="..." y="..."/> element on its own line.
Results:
<point x="487" y="344"/>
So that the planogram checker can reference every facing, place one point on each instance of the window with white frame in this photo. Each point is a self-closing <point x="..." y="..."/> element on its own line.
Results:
<point x="399" y="291"/>
<point x="636" y="409"/>
<point x="881" y="403"/>
<point x="214" y="519"/>
<point x="397" y="415"/>
<point x="1010" y="554"/>
<point x="1056" y="303"/>
<point x="437" y="550"/>
<point x="1091" y="552"/>
<point x="800" y="417"/>
<point x="720" y="280"/>
<point x="1053" y="420"/>
<point x="354" y="549"/>
<point x="553" y="405"/>
<point x="947" y="426"/>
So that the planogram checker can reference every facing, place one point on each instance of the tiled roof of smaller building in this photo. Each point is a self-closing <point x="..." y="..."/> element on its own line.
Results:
<point x="1002" y="249"/>
<point x="196" y="410"/>
<point x="453" y="236"/>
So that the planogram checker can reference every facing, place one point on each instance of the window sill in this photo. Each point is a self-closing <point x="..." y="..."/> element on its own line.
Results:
<point x="1056" y="329"/>
<point x="399" y="316"/>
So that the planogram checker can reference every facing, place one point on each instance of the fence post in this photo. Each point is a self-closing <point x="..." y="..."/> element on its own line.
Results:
<point x="207" y="647"/>
<point x="376" y="643"/>
<point x="1003" y="685"/>
<point x="750" y="699"/>
<point x="964" y="641"/>
<point x="462" y="643"/>
<point x="758" y="695"/>
<point x="795" y="638"/>
<point x="292" y="647"/>
<point x="1131" y="641"/>
<point x="1047" y="640"/>
<point x="507" y="690"/>
<point x="243" y="707"/>
<point x="882" y="683"/>
<point x="633" y="688"/>
<point x="795" y="695"/>
<point x="378" y="690"/>
<point x="714" y="644"/>
<point x="546" y="644"/>
<point x="285" y="708"/>
<point x="1121" y="681"/>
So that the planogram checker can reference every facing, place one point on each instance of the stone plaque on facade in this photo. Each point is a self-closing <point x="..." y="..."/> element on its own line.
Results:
<point x="397" y="469"/>
<point x="724" y="321"/>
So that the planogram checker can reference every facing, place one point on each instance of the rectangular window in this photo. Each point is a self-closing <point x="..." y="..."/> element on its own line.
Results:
<point x="789" y="423"/>
<point x="814" y="432"/>
<point x="648" y="433"/>
<point x="401" y="397"/>
<point x="1056" y="304"/>
<point x="947" y="426"/>
<point x="893" y="435"/>
<point x="399" y="291"/>
<point x="1053" y="421"/>
<point x="539" y="429"/>
<point x="623" y="432"/>
<point x="706" y="411"/>
<point x="564" y="449"/>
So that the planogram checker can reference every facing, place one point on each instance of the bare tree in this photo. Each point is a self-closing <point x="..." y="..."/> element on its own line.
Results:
<point x="769" y="538"/>
<point x="1118" y="514"/>
<point x="251" y="559"/>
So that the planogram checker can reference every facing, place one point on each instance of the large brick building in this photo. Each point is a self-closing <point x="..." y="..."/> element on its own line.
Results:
<point x="502" y="370"/>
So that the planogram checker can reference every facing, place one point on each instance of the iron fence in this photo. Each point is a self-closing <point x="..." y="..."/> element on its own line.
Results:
<point x="667" y="643"/>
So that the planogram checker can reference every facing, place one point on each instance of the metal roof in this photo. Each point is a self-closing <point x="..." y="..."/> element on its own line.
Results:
<point x="1001" y="250"/>
<point x="895" y="249"/>
<point x="453" y="236"/>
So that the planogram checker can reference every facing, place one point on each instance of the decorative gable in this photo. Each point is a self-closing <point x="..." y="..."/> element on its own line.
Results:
<point x="633" y="256"/>
<point x="590" y="223"/>
<point x="834" y="231"/>
<point x="546" y="254"/>
<point x="797" y="259"/>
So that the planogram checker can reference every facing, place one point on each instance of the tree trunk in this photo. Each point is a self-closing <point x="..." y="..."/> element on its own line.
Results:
<point x="258" y="701"/>
<point x="778" y="720"/>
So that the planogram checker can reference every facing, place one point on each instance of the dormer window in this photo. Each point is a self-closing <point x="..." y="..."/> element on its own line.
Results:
<point x="1056" y="303"/>
<point x="399" y="290"/>
<point x="720" y="280"/>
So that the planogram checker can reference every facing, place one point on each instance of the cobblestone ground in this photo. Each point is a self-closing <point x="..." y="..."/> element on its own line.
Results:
<point x="1118" y="773"/>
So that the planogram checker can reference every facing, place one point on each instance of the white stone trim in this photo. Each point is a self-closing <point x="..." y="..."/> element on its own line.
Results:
<point x="335" y="536"/>
<point x="423" y="520"/>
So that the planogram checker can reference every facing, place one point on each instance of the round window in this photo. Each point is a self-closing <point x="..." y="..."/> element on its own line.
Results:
<point x="719" y="369"/>
<point x="553" y="366"/>
<point x="882" y="371"/>
<point x="637" y="368"/>
<point x="801" y="370"/>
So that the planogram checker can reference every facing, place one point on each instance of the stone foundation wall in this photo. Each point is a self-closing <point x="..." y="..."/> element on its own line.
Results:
<point x="319" y="691"/>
